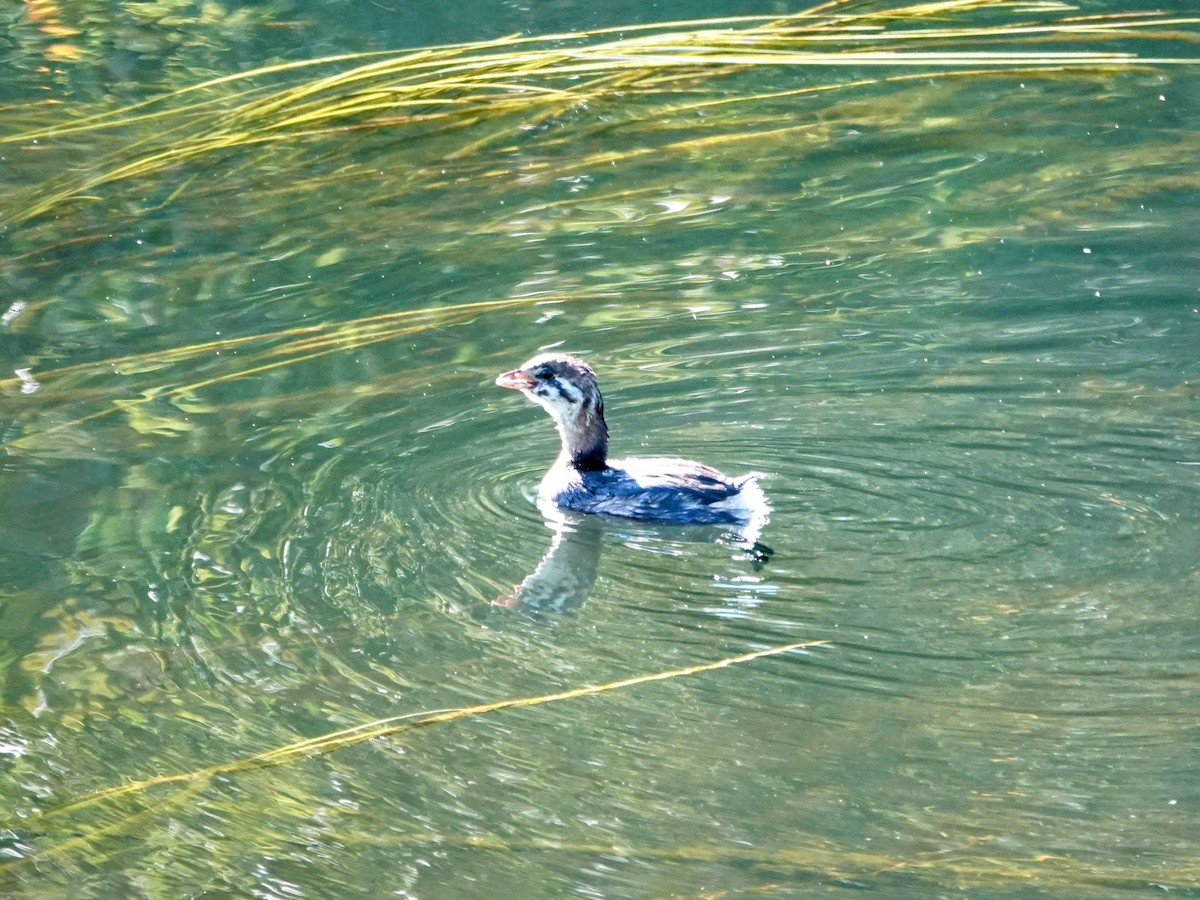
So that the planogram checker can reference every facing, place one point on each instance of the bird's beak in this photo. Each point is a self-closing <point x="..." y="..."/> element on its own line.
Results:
<point x="517" y="379"/>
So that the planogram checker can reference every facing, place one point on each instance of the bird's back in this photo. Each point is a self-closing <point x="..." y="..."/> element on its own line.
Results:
<point x="661" y="489"/>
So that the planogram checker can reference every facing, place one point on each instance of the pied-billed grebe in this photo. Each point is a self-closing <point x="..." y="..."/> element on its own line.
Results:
<point x="659" y="489"/>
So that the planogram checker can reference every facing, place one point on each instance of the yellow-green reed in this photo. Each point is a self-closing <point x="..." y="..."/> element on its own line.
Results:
<point x="962" y="859"/>
<point x="191" y="782"/>
<point x="461" y="84"/>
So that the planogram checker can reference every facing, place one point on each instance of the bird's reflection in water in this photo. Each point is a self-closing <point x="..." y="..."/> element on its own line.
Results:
<point x="563" y="580"/>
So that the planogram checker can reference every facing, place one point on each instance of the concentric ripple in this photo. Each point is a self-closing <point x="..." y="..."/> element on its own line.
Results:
<point x="406" y="514"/>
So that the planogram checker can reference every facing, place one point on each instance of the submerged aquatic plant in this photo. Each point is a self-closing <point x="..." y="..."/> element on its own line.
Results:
<point x="674" y="65"/>
<point x="461" y="150"/>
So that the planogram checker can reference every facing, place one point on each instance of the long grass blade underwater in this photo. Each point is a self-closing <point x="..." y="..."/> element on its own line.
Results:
<point x="191" y="782"/>
<point x="136" y="804"/>
<point x="446" y="124"/>
<point x="456" y="85"/>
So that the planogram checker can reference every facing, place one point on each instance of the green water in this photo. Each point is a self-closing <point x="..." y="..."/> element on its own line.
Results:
<point x="259" y="487"/>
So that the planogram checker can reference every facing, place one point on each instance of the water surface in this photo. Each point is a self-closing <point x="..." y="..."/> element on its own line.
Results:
<point x="259" y="487"/>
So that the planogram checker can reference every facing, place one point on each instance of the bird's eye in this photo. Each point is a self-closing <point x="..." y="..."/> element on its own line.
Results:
<point x="543" y="373"/>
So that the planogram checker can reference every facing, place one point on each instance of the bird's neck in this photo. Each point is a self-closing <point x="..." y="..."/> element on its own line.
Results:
<point x="584" y="442"/>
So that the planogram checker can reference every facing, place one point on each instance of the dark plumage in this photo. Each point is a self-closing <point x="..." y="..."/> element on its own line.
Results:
<point x="655" y="488"/>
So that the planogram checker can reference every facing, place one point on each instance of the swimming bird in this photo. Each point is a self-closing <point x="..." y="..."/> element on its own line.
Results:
<point x="659" y="489"/>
